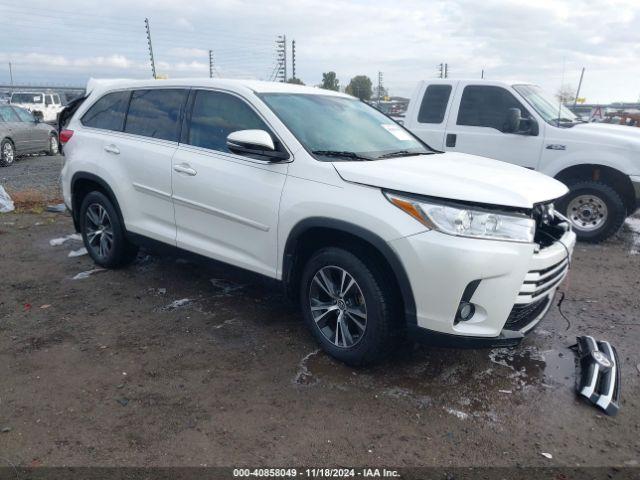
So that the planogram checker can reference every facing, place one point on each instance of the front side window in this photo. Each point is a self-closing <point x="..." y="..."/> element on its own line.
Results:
<point x="8" y="114"/>
<point x="155" y="113"/>
<point x="215" y="115"/>
<point x="108" y="112"/>
<point x="342" y="128"/>
<point x="48" y="100"/>
<point x="26" y="98"/>
<point x="434" y="104"/>
<point x="24" y="115"/>
<point x="487" y="106"/>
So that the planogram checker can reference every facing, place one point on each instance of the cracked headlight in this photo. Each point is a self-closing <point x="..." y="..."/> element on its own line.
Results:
<point x="467" y="222"/>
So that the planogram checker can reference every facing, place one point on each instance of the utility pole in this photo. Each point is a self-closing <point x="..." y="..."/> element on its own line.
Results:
<point x="153" y="65"/>
<point x="446" y="70"/>
<point x="482" y="74"/>
<point x="575" y="102"/>
<point x="210" y="63"/>
<point x="11" y="76"/>
<point x="379" y="87"/>
<point x="293" y="58"/>
<point x="281" y="51"/>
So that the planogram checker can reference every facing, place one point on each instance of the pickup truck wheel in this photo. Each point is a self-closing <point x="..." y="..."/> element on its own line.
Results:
<point x="53" y="145"/>
<point x="348" y="307"/>
<point x="103" y="233"/>
<point x="7" y="153"/>
<point x="595" y="210"/>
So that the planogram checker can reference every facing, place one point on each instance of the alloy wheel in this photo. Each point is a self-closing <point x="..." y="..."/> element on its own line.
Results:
<point x="99" y="230"/>
<point x="8" y="155"/>
<point x="587" y="212"/>
<point x="338" y="306"/>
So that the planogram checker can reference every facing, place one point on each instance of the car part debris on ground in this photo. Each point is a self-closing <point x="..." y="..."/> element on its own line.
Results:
<point x="88" y="273"/>
<point x="58" y="208"/>
<point x="78" y="253"/>
<point x="6" y="204"/>
<point x="54" y="242"/>
<point x="599" y="380"/>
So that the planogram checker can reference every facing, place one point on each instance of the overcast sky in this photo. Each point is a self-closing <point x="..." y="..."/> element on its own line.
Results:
<point x="69" y="41"/>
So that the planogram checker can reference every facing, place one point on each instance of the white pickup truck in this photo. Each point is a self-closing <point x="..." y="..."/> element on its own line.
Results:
<point x="519" y="123"/>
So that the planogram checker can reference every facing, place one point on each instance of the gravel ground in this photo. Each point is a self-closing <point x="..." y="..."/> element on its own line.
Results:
<point x="180" y="361"/>
<point x="39" y="173"/>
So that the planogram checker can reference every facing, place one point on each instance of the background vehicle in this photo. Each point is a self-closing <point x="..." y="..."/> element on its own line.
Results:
<point x="21" y="133"/>
<point x="370" y="229"/>
<point x="519" y="123"/>
<point x="46" y="104"/>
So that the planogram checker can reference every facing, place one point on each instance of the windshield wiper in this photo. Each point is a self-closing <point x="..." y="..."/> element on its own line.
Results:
<point x="401" y="153"/>
<point x="341" y="154"/>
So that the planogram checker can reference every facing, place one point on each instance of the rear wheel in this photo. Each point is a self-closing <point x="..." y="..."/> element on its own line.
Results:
<point x="348" y="306"/>
<point x="596" y="211"/>
<point x="53" y="145"/>
<point x="103" y="233"/>
<point x="7" y="153"/>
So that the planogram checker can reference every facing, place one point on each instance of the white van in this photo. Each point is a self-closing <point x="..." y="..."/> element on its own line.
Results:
<point x="46" y="105"/>
<point x="375" y="234"/>
<point x="519" y="123"/>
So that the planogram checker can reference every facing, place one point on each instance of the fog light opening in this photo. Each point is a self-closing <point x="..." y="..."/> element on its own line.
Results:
<point x="465" y="312"/>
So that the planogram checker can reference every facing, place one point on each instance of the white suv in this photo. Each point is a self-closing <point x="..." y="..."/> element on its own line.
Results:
<point x="46" y="105"/>
<point x="377" y="235"/>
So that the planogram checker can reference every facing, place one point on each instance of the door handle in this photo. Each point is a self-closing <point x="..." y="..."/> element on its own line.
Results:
<point x="185" y="168"/>
<point x="451" y="140"/>
<point x="112" y="149"/>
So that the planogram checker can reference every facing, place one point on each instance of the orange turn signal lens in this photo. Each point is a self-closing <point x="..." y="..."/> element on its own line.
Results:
<point x="411" y="209"/>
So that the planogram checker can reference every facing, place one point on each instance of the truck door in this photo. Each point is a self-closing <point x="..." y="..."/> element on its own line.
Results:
<point x="479" y="125"/>
<point x="428" y="120"/>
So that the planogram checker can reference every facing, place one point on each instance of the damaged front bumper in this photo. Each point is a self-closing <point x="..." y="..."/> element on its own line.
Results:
<point x="599" y="380"/>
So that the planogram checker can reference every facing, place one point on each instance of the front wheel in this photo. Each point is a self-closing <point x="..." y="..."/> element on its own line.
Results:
<point x="103" y="233"/>
<point x="596" y="211"/>
<point x="349" y="307"/>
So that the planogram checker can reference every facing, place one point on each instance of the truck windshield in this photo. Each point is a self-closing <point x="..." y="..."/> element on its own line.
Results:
<point x="26" y="98"/>
<point x="547" y="107"/>
<point x="338" y="128"/>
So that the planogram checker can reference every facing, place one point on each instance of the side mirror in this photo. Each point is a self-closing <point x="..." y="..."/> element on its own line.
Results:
<point x="520" y="126"/>
<point x="514" y="115"/>
<point x="37" y="117"/>
<point x="256" y="144"/>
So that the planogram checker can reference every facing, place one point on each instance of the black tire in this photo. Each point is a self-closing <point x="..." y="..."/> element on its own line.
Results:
<point x="52" y="151"/>
<point x="120" y="252"/>
<point x="616" y="211"/>
<point x="382" y="327"/>
<point x="6" y="160"/>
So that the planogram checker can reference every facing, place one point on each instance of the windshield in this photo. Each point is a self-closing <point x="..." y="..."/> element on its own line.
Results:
<point x="26" y="98"/>
<point x="548" y="107"/>
<point x="341" y="128"/>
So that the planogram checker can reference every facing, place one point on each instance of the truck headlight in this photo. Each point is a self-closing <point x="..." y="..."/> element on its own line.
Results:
<point x="467" y="222"/>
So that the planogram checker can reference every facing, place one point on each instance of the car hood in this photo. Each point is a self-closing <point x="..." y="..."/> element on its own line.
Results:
<point x="456" y="176"/>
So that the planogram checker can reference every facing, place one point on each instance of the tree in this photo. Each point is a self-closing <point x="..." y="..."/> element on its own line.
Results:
<point x="566" y="94"/>
<point x="329" y="81"/>
<point x="360" y="86"/>
<point x="295" y="80"/>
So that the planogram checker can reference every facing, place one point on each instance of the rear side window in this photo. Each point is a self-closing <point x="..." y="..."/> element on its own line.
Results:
<point x="155" y="113"/>
<point x="215" y="115"/>
<point x="487" y="106"/>
<point x="108" y="112"/>
<point x="8" y="115"/>
<point x="434" y="104"/>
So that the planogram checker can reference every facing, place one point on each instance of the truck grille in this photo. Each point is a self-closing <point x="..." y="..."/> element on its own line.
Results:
<point x="523" y="314"/>
<point x="539" y="282"/>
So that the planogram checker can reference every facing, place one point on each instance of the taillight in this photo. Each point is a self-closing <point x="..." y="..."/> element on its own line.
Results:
<point x="65" y="136"/>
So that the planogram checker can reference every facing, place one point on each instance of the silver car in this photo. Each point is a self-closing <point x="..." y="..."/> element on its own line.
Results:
<point x="21" y="132"/>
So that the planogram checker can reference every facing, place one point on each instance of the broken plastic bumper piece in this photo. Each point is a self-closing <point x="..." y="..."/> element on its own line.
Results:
<point x="599" y="374"/>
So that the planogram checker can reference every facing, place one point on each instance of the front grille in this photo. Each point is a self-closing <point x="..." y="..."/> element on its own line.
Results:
<point x="522" y="315"/>
<point x="539" y="282"/>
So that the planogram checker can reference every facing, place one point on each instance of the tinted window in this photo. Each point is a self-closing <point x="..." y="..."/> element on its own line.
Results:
<point x="434" y="104"/>
<point x="8" y="115"/>
<point x="215" y="115"/>
<point x="155" y="113"/>
<point x="482" y="106"/>
<point x="26" y="98"/>
<point x="108" y="112"/>
<point x="24" y="115"/>
<point x="48" y="100"/>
